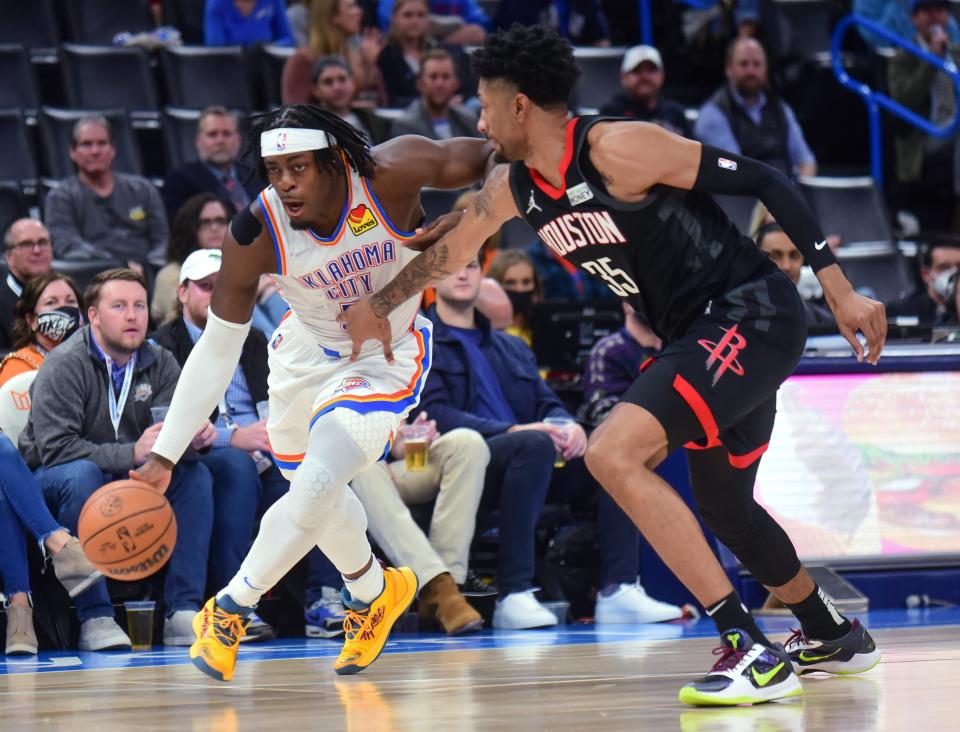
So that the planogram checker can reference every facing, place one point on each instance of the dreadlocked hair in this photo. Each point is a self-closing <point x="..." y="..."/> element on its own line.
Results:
<point x="311" y="117"/>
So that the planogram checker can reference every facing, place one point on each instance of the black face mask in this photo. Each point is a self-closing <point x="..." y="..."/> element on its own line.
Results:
<point x="59" y="324"/>
<point x="522" y="302"/>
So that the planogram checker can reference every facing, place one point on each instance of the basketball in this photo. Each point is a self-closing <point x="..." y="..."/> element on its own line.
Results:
<point x="127" y="530"/>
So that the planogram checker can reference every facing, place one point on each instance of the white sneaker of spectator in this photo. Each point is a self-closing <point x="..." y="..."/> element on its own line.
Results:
<point x="103" y="634"/>
<point x="630" y="603"/>
<point x="522" y="611"/>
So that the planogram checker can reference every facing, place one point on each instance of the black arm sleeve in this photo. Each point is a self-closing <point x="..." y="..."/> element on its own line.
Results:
<point x="724" y="172"/>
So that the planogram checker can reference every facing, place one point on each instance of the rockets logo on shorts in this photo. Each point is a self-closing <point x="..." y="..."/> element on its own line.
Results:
<point x="351" y="383"/>
<point x="361" y="219"/>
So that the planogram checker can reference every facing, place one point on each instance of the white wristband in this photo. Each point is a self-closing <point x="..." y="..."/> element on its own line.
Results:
<point x="202" y="384"/>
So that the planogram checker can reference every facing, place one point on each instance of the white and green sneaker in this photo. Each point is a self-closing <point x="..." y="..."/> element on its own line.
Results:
<point x="746" y="673"/>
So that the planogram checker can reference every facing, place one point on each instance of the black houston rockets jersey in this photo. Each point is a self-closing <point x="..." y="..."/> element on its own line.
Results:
<point x="668" y="255"/>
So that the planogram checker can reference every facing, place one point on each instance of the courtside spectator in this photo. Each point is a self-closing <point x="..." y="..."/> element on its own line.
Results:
<point x="460" y="22"/>
<point x="98" y="213"/>
<point x="47" y="313"/>
<point x="335" y="29"/>
<point x="894" y="15"/>
<point x="334" y="90"/>
<point x="28" y="253"/>
<point x="518" y="277"/>
<point x="925" y="164"/>
<point x="90" y="424"/>
<point x="407" y="41"/>
<point x="434" y="114"/>
<point x="487" y="381"/>
<point x="216" y="169"/>
<point x="746" y="117"/>
<point x="22" y="507"/>
<point x="453" y="477"/>
<point x="938" y="263"/>
<point x="246" y="22"/>
<point x="642" y="77"/>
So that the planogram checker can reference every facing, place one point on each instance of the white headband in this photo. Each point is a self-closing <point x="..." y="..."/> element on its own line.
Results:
<point x="289" y="140"/>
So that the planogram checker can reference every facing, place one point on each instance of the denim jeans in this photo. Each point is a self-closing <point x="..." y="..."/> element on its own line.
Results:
<point x="21" y="507"/>
<point x="66" y="488"/>
<point x="517" y="481"/>
<point x="240" y="497"/>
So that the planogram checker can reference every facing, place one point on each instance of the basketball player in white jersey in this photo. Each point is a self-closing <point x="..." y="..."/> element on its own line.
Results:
<point x="330" y="228"/>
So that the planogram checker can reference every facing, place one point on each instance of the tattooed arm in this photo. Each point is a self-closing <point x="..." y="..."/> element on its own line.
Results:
<point x="491" y="208"/>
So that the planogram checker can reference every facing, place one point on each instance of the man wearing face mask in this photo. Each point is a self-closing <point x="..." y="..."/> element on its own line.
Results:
<point x="28" y="253"/>
<point x="929" y="306"/>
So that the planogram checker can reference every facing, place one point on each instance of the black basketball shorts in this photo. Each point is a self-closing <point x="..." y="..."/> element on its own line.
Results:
<point x="716" y="385"/>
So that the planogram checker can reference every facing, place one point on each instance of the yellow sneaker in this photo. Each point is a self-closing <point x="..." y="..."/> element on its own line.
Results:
<point x="218" y="635"/>
<point x="367" y="630"/>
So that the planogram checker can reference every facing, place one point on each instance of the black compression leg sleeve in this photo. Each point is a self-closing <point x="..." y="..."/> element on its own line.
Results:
<point x="723" y="172"/>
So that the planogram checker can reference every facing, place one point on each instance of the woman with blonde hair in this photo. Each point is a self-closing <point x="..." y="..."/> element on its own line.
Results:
<point x="335" y="28"/>
<point x="518" y="276"/>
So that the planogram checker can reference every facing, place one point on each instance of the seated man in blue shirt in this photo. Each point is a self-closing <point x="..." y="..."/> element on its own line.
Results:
<point x="245" y="481"/>
<point x="487" y="381"/>
<point x="746" y="118"/>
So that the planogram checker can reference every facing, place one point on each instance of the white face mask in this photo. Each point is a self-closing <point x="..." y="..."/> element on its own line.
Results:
<point x="941" y="283"/>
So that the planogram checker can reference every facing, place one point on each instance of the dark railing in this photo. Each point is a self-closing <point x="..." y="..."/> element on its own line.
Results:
<point x="876" y="100"/>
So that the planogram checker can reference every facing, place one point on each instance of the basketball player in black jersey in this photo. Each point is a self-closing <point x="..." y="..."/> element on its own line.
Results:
<point x="630" y="203"/>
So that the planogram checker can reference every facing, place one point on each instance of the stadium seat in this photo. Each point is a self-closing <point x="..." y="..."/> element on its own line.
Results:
<point x="32" y="24"/>
<point x="877" y="269"/>
<point x="198" y="77"/>
<point x="851" y="207"/>
<point x="107" y="77"/>
<point x="98" y="21"/>
<point x="269" y="62"/>
<point x="56" y="128"/>
<point x="797" y="28"/>
<point x="179" y="131"/>
<point x="17" y="162"/>
<point x="187" y="17"/>
<point x="19" y="87"/>
<point x="84" y="270"/>
<point x="599" y="76"/>
<point x="13" y="204"/>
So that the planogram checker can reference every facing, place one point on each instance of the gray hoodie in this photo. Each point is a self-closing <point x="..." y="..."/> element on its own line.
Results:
<point x="70" y="413"/>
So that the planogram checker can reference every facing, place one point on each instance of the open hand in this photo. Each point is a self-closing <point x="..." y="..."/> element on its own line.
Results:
<point x="154" y="473"/>
<point x="426" y="236"/>
<point x="363" y="325"/>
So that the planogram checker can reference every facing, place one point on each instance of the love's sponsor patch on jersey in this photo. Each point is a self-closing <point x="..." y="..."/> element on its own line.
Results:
<point x="361" y="219"/>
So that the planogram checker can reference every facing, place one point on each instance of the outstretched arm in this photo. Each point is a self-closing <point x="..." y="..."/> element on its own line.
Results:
<point x="633" y="157"/>
<point x="212" y="363"/>
<point x="491" y="208"/>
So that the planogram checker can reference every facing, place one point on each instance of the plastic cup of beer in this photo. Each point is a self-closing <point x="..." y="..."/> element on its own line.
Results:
<point x="566" y="424"/>
<point x="415" y="446"/>
<point x="158" y="414"/>
<point x="140" y="624"/>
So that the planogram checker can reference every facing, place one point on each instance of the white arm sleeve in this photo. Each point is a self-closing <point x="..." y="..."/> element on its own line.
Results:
<point x="203" y="382"/>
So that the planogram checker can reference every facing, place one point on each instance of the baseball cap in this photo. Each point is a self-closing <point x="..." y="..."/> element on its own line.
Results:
<point x="201" y="263"/>
<point x="637" y="55"/>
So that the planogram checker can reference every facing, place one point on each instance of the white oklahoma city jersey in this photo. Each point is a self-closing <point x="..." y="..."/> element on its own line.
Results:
<point x="320" y="277"/>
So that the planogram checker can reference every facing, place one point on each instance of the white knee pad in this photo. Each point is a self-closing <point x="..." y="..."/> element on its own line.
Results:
<point x="341" y="445"/>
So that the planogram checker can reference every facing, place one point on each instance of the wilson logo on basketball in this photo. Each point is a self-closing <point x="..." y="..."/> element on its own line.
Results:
<point x="361" y="219"/>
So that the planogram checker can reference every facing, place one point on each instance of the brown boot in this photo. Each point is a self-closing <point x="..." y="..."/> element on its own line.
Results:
<point x="441" y="602"/>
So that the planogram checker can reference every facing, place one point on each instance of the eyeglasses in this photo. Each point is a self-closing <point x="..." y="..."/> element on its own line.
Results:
<point x="215" y="221"/>
<point x="23" y="246"/>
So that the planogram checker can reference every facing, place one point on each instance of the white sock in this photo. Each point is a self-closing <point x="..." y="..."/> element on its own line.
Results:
<point x="367" y="587"/>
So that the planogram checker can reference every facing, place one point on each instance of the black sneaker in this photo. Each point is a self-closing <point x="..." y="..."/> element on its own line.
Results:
<point x="746" y="673"/>
<point x="854" y="653"/>
<point x="473" y="586"/>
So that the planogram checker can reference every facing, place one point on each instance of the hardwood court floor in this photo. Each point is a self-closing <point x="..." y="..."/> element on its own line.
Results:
<point x="572" y="679"/>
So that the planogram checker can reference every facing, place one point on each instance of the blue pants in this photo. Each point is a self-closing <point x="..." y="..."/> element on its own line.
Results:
<point x="67" y="487"/>
<point x="517" y="480"/>
<point x="21" y="507"/>
<point x="240" y="496"/>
